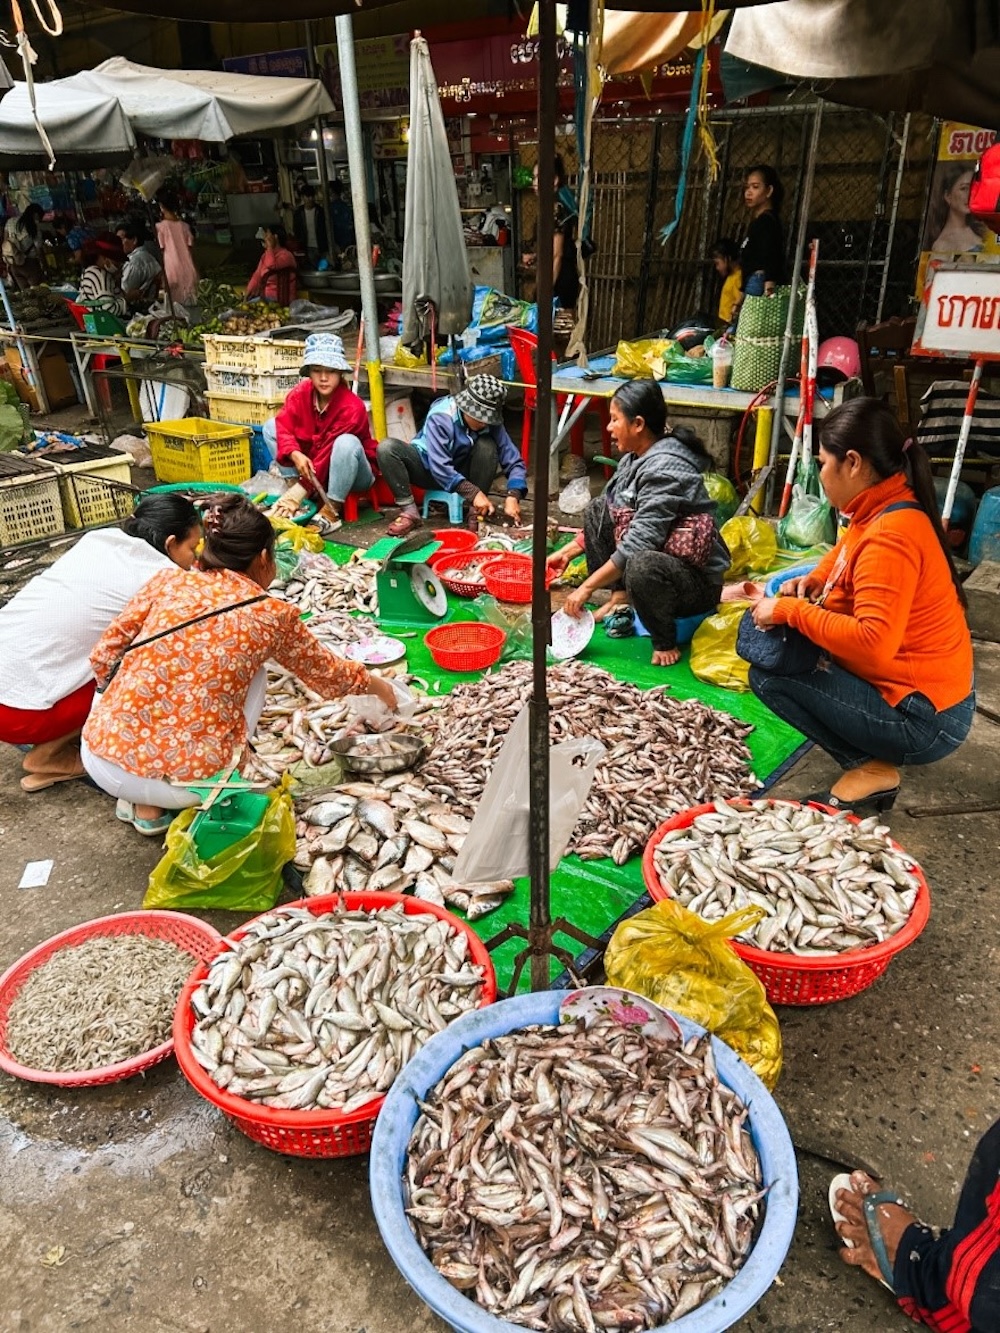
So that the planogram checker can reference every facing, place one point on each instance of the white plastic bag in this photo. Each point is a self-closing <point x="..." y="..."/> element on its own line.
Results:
<point x="576" y="496"/>
<point x="496" y="846"/>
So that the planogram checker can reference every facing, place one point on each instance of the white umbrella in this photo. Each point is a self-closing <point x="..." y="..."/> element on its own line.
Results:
<point x="435" y="261"/>
<point x="85" y="128"/>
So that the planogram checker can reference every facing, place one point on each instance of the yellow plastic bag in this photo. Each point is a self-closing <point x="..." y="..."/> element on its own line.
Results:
<point x="644" y="359"/>
<point x="714" y="658"/>
<point x="244" y="877"/>
<point x="683" y="963"/>
<point x="752" y="546"/>
<point x="404" y="358"/>
<point x="297" y="537"/>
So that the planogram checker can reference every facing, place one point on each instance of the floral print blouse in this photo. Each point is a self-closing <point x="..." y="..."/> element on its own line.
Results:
<point x="175" y="708"/>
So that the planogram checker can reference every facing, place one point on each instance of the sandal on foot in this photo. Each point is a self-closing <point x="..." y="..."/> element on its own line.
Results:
<point x="869" y="1208"/>
<point x="124" y="811"/>
<point x="154" y="828"/>
<point x="620" y="623"/>
<point x="404" y="525"/>
<point x="877" y="802"/>
<point x="39" y="781"/>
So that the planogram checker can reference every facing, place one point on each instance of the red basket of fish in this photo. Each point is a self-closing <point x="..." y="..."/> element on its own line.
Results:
<point x="841" y="897"/>
<point x="57" y="1002"/>
<point x="299" y="1024"/>
<point x="508" y="578"/>
<point x="465" y="645"/>
<point x="461" y="572"/>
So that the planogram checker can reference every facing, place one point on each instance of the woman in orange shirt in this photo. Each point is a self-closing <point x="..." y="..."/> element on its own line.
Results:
<point x="894" y="681"/>
<point x="182" y="671"/>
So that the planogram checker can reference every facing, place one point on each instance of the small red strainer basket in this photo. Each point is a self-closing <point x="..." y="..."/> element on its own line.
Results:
<point x="465" y="645"/>
<point x="508" y="578"/>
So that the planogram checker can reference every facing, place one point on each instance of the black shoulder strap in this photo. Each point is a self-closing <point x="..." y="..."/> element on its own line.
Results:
<point x="901" y="504"/>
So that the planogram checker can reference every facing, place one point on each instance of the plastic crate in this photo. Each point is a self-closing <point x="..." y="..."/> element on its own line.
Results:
<point x="30" y="507"/>
<point x="238" y="383"/>
<point x="244" y="411"/>
<point x="87" y="500"/>
<point x="259" y="354"/>
<point x="260" y="454"/>
<point x="102" y="322"/>
<point x="198" y="450"/>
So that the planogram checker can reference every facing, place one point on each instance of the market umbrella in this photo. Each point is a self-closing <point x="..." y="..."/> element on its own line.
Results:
<point x="85" y="128"/>
<point x="435" y="261"/>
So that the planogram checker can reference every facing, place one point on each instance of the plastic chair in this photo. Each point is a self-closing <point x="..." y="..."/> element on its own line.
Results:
<point x="352" y="501"/>
<point x="525" y="348"/>
<point x="450" y="498"/>
<point x="101" y="360"/>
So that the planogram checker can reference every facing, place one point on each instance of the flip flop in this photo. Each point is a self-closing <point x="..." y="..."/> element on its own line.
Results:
<point x="869" y="1207"/>
<point x="38" y="781"/>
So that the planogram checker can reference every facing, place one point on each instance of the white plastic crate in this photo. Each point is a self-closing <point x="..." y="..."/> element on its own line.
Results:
<point x="234" y="383"/>
<point x="259" y="354"/>
<point x="87" y="501"/>
<point x="30" y="508"/>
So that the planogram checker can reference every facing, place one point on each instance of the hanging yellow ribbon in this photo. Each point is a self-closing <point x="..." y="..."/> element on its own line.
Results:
<point x="706" y="136"/>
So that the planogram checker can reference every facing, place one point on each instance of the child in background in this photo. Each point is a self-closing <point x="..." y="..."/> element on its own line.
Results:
<point x="726" y="262"/>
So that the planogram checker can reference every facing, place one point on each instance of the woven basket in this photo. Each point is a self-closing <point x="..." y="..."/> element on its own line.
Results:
<point x="756" y="362"/>
<point x="766" y="316"/>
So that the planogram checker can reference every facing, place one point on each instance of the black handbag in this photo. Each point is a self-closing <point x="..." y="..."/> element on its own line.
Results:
<point x="783" y="650"/>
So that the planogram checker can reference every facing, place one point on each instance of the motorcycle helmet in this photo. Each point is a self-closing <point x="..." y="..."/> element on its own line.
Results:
<point x="837" y="359"/>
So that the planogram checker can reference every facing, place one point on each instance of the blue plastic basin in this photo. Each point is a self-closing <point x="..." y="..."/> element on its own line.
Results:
<point x="399" y="1114"/>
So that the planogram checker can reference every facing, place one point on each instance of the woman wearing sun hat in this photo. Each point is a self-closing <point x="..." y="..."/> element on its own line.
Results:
<point x="323" y="429"/>
<point x="460" y="447"/>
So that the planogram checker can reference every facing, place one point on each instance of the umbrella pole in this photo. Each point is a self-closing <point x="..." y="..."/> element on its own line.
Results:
<point x="540" y="920"/>
<point x="362" y="228"/>
<point x="324" y="175"/>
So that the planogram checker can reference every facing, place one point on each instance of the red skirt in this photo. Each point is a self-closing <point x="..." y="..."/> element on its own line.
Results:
<point x="36" y="726"/>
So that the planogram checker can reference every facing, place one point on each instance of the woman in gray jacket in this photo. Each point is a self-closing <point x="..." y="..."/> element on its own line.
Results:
<point x="651" y="536"/>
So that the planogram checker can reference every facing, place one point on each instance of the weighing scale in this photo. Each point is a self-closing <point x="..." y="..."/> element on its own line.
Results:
<point x="409" y="591"/>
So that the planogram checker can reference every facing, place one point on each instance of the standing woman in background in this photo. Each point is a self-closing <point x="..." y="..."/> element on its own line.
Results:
<point x="762" y="257"/>
<point x="176" y="239"/>
<point x="22" y="247"/>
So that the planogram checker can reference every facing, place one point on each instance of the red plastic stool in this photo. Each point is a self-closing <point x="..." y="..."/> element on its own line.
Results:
<point x="350" y="510"/>
<point x="525" y="347"/>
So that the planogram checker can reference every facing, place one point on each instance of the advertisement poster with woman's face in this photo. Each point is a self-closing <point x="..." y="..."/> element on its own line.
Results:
<point x="950" y="232"/>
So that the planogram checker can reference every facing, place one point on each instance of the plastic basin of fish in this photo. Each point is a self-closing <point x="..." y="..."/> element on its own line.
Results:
<point x="793" y="978"/>
<point x="430" y="1065"/>
<point x="326" y="1133"/>
<point x="201" y="941"/>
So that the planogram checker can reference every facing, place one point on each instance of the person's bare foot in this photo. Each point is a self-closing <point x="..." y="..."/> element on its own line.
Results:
<point x="666" y="656"/>
<point x="149" y="812"/>
<point x="892" y="1219"/>
<point x="616" y="600"/>
<point x="59" y="758"/>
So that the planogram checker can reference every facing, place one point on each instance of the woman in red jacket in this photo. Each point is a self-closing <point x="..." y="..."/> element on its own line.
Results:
<point x="276" y="276"/>
<point x="894" y="680"/>
<point x="323" y="429"/>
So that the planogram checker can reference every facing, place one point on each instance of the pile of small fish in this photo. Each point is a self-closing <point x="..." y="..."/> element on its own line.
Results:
<point x="826" y="883"/>
<point x="97" y="1003"/>
<point x="393" y="837"/>
<point x="471" y="572"/>
<point x="663" y="755"/>
<point x="582" y="1179"/>
<point x="311" y="1012"/>
<point x="320" y="584"/>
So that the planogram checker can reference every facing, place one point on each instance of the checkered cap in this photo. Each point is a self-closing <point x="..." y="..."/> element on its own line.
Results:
<point x="483" y="399"/>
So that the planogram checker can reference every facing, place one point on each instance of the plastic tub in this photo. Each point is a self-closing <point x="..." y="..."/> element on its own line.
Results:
<point x="802" y="979"/>
<point x="428" y="1066"/>
<point x="776" y="580"/>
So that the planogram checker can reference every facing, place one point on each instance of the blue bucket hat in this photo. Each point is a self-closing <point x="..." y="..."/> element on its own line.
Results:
<point x="326" y="351"/>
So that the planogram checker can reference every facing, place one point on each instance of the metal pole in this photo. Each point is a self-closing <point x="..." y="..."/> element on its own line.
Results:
<point x="903" y="144"/>
<point x="538" y="709"/>
<point x="362" y="230"/>
<point x="777" y="425"/>
<point x="324" y="179"/>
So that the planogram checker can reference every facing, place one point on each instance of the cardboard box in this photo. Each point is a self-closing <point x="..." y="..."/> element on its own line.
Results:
<point x="16" y="373"/>
<point x="399" y="420"/>
<point x="56" y="379"/>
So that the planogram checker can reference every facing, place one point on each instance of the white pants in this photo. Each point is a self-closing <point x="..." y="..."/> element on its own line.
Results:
<point x="126" y="786"/>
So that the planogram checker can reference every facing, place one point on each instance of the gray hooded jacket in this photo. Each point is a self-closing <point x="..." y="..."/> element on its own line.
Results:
<point x="662" y="486"/>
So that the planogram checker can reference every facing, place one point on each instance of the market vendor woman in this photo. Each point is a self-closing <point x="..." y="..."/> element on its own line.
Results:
<point x="460" y="447"/>
<point x="651" y="536"/>
<point x="323" y="429"/>
<point x="182" y="671"/>
<point x="894" y="684"/>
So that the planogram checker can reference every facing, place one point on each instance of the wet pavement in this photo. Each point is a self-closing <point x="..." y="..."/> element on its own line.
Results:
<point x="136" y="1208"/>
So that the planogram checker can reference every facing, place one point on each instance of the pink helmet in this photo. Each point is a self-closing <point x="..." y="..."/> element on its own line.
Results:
<point x="841" y="355"/>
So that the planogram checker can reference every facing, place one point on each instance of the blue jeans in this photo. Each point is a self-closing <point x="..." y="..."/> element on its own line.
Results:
<point x="350" y="469"/>
<point x="853" y="723"/>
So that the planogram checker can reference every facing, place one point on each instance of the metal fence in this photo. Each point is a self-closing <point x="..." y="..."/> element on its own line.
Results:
<point x="866" y="210"/>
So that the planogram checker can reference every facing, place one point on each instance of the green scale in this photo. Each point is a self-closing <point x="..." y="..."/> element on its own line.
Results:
<point x="409" y="592"/>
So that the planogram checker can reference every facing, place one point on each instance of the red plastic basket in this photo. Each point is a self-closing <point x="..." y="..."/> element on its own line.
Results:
<point x="466" y="645"/>
<point x="788" y="978"/>
<point x="454" y="539"/>
<point x="460" y="560"/>
<point x="311" y="1133"/>
<point x="187" y="932"/>
<point x="508" y="578"/>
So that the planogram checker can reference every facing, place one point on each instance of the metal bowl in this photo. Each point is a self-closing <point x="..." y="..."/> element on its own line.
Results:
<point x="407" y="751"/>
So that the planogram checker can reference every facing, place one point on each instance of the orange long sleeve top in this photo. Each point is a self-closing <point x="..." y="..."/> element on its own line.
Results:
<point x="893" y="616"/>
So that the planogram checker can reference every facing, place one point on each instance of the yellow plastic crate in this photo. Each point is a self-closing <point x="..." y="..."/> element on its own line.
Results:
<point x="30" y="508"/>
<point x="258" y="354"/>
<point x="245" y="411"/>
<point x="242" y="383"/>
<point x="87" y="501"/>
<point x="199" y="450"/>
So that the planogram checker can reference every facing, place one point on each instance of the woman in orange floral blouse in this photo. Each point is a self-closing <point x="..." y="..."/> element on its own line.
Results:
<point x="175" y="710"/>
